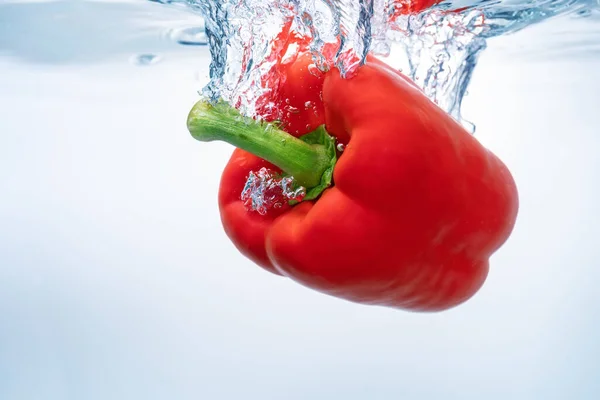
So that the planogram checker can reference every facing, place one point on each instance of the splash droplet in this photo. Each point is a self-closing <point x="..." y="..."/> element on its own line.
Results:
<point x="146" y="59"/>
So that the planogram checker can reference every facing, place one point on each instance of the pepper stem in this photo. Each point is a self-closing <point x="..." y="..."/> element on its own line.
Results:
<point x="308" y="161"/>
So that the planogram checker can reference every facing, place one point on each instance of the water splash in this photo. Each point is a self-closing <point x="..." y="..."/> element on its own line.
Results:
<point x="438" y="47"/>
<point x="265" y="190"/>
<point x="442" y="51"/>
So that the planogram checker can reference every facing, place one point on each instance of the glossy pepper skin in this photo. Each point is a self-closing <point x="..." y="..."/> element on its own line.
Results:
<point x="416" y="209"/>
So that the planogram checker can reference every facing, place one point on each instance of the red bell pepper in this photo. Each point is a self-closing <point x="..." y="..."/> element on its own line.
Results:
<point x="403" y="7"/>
<point x="415" y="207"/>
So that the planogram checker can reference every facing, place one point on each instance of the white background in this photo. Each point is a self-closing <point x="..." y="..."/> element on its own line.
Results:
<point x="117" y="282"/>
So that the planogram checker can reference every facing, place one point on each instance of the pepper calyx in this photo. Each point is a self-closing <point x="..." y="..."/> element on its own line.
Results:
<point x="321" y="137"/>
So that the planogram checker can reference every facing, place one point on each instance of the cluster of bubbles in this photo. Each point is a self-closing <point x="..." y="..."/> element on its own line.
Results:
<point x="265" y="190"/>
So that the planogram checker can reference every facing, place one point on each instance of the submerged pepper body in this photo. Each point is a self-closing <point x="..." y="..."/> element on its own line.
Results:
<point x="417" y="205"/>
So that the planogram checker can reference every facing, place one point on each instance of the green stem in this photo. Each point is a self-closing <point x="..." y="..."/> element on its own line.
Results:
<point x="306" y="162"/>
